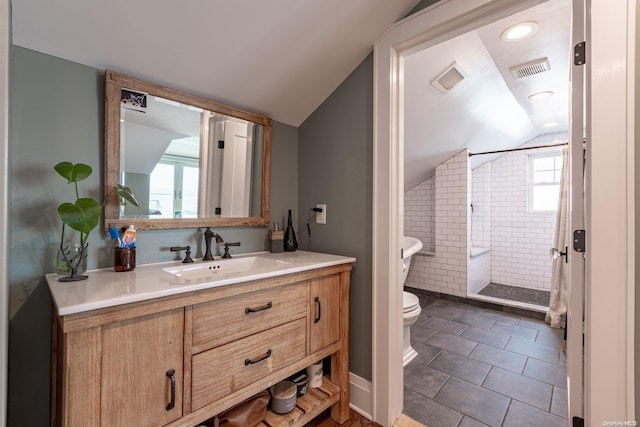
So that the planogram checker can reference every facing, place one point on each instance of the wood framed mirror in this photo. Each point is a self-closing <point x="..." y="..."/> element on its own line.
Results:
<point x="189" y="161"/>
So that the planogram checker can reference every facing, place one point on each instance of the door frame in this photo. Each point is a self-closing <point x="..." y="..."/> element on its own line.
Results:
<point x="609" y="325"/>
<point x="5" y="54"/>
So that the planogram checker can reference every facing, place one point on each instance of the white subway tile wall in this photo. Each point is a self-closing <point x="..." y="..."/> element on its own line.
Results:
<point x="419" y="213"/>
<point x="446" y="272"/>
<point x="438" y="210"/>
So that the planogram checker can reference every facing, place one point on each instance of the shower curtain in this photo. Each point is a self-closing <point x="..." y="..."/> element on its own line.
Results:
<point x="560" y="269"/>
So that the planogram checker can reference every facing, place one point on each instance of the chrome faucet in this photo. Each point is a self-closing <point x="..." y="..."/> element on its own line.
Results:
<point x="208" y="236"/>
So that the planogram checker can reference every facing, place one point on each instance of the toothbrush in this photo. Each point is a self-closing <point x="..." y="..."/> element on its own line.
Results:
<point x="115" y="235"/>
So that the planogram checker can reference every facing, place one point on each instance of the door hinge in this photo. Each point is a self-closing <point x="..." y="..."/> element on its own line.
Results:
<point x="578" y="422"/>
<point x="579" y="52"/>
<point x="401" y="253"/>
<point x="221" y="144"/>
<point x="579" y="241"/>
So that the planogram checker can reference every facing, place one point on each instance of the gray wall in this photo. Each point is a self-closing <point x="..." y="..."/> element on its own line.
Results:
<point x="56" y="114"/>
<point x="335" y="168"/>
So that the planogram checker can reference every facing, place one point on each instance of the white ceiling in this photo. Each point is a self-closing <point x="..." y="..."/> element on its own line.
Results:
<point x="490" y="109"/>
<point x="281" y="58"/>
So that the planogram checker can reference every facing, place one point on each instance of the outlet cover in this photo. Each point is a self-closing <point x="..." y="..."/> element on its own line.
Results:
<point x="321" y="217"/>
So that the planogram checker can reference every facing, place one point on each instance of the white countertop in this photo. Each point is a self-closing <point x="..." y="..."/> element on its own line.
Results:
<point x="107" y="288"/>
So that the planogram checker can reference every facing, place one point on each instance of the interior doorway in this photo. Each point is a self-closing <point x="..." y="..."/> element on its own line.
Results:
<point x="442" y="23"/>
<point x="488" y="225"/>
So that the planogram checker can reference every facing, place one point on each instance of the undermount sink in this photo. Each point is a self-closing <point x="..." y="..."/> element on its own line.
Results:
<point x="214" y="270"/>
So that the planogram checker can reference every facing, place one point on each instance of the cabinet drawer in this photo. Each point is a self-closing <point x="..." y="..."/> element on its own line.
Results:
<point x="223" y="370"/>
<point x="220" y="322"/>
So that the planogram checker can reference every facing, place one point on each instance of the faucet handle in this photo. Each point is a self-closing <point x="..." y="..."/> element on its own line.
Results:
<point x="187" y="255"/>
<point x="226" y="249"/>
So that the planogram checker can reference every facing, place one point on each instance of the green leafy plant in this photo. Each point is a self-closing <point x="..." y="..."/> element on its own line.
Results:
<point x="83" y="215"/>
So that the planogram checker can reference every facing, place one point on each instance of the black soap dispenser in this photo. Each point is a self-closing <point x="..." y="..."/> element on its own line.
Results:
<point x="290" y="241"/>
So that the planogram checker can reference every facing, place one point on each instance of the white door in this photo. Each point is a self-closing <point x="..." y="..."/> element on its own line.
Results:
<point x="575" y="307"/>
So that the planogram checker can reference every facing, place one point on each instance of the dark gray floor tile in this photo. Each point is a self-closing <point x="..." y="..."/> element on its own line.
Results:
<point x="499" y="316"/>
<point x="452" y="343"/>
<point x="446" y="313"/>
<point x="562" y="360"/>
<point x="475" y="321"/>
<point x="426" y="353"/>
<point x="515" y="330"/>
<point x="521" y="415"/>
<point x="501" y="358"/>
<point x="547" y="372"/>
<point x="429" y="412"/>
<point x="533" y="349"/>
<point x="470" y="422"/>
<point x="472" y="400"/>
<point x="551" y="338"/>
<point x="527" y="390"/>
<point x="420" y="333"/>
<point x="559" y="402"/>
<point x="461" y="367"/>
<point x="424" y="379"/>
<point x="540" y="325"/>
<point x="492" y="338"/>
<point x="445" y="326"/>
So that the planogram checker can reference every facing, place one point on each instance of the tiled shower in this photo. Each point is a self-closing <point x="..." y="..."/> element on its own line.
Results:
<point x="480" y="240"/>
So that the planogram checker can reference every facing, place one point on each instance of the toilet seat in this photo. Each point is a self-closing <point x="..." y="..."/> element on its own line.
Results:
<point x="409" y="302"/>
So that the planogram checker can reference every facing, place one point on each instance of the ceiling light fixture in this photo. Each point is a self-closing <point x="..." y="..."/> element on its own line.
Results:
<point x="519" y="31"/>
<point x="550" y="124"/>
<point x="540" y="95"/>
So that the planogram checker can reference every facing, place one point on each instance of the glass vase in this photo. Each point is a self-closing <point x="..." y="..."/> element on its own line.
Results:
<point x="71" y="261"/>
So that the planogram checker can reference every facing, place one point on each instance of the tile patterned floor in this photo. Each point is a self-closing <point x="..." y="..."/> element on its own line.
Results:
<point x="479" y="367"/>
<point x="514" y="293"/>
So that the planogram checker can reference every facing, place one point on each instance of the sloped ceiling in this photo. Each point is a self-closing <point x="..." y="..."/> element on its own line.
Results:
<point x="490" y="109"/>
<point x="281" y="58"/>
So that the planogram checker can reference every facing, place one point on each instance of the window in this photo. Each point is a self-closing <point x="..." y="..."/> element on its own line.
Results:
<point x="174" y="187"/>
<point x="544" y="181"/>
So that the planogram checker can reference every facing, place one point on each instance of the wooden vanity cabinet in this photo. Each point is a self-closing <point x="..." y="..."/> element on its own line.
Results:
<point x="180" y="360"/>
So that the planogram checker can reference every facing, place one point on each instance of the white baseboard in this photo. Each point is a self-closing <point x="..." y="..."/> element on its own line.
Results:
<point x="360" y="395"/>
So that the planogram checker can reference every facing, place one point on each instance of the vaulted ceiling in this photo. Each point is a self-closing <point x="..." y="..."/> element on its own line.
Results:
<point x="281" y="58"/>
<point x="490" y="109"/>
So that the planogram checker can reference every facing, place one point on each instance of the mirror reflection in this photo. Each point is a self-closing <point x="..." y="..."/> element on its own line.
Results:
<point x="186" y="159"/>
<point x="185" y="162"/>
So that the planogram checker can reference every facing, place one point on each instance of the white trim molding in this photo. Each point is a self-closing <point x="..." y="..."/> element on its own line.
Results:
<point x="360" y="395"/>
<point x="610" y="287"/>
<point x="439" y="22"/>
<point x="5" y="47"/>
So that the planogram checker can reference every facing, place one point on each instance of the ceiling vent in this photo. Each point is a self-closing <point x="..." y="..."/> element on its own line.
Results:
<point x="530" y="68"/>
<point x="448" y="79"/>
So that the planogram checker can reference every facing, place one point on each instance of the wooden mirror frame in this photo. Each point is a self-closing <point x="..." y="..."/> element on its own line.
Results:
<point x="114" y="83"/>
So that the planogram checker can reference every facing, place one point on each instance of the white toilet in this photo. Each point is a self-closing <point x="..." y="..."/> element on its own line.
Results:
<point x="411" y="305"/>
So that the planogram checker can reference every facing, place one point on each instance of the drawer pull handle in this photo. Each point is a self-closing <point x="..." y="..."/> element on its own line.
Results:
<point x="171" y="373"/>
<point x="248" y="362"/>
<point x="318" y="310"/>
<point x="267" y="306"/>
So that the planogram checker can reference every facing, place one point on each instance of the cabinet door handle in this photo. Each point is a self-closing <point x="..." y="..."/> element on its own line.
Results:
<point x="267" y="306"/>
<point x="318" y="310"/>
<point x="171" y="374"/>
<point x="248" y="361"/>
